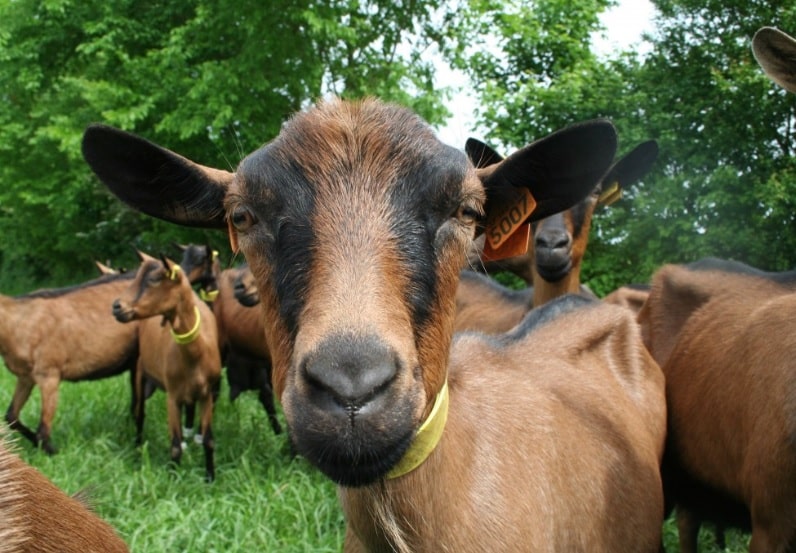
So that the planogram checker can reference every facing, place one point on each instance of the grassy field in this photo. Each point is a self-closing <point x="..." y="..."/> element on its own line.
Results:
<point x="262" y="499"/>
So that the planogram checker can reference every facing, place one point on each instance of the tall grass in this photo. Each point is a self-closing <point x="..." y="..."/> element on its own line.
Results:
<point x="262" y="498"/>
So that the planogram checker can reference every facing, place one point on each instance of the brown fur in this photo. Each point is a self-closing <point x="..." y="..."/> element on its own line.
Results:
<point x="484" y="305"/>
<point x="56" y="335"/>
<point x="556" y="447"/>
<point x="552" y="265"/>
<point x="241" y="335"/>
<point x="187" y="372"/>
<point x="37" y="517"/>
<point x="726" y="345"/>
<point x="629" y="297"/>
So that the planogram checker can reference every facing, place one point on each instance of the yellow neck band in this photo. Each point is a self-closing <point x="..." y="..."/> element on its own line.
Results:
<point x="191" y="335"/>
<point x="208" y="296"/>
<point x="427" y="437"/>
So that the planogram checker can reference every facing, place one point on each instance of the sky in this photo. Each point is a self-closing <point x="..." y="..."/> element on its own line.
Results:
<point x="625" y="23"/>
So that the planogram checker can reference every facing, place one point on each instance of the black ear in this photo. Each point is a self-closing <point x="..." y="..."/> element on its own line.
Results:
<point x="154" y="180"/>
<point x="633" y="165"/>
<point x="775" y="51"/>
<point x="480" y="154"/>
<point x="559" y="170"/>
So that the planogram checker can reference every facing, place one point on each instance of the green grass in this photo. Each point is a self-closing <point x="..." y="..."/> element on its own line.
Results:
<point x="261" y="500"/>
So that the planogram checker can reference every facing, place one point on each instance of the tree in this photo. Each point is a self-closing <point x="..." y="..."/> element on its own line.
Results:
<point x="724" y="181"/>
<point x="212" y="79"/>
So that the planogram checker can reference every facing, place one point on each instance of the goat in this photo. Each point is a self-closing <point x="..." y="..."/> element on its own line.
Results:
<point x="241" y="332"/>
<point x="552" y="263"/>
<point x="178" y="348"/>
<point x="721" y="332"/>
<point x="356" y="221"/>
<point x="38" y="517"/>
<point x="551" y="266"/>
<point x="62" y="334"/>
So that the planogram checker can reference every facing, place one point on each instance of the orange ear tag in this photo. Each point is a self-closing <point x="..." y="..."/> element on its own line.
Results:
<point x="233" y="237"/>
<point x="506" y="217"/>
<point x="517" y="244"/>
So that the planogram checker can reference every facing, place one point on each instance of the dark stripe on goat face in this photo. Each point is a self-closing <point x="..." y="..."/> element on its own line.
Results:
<point x="282" y="201"/>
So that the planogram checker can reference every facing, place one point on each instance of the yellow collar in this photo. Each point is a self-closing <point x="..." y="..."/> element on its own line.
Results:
<point x="208" y="296"/>
<point x="190" y="336"/>
<point x="427" y="437"/>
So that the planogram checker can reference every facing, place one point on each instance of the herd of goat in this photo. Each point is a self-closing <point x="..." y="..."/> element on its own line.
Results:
<point x="455" y="414"/>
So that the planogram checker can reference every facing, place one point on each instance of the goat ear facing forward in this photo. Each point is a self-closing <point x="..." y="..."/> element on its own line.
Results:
<point x="559" y="170"/>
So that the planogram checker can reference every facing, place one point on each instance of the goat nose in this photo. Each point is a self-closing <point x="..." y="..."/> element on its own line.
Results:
<point x="352" y="370"/>
<point x="552" y="239"/>
<point x="117" y="306"/>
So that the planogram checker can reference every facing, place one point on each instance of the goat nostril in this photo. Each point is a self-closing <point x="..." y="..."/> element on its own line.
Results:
<point x="352" y="371"/>
<point x="553" y="241"/>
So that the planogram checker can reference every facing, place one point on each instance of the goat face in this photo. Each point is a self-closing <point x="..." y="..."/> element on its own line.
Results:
<point x="245" y="289"/>
<point x="356" y="271"/>
<point x="152" y="291"/>
<point x="355" y="222"/>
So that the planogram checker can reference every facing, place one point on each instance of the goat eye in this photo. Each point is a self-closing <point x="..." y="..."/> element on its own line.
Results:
<point x="242" y="219"/>
<point x="467" y="215"/>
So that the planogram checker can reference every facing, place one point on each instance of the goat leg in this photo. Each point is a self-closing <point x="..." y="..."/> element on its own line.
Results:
<point x="140" y="400"/>
<point x="49" y="399"/>
<point x="174" y="410"/>
<point x="21" y="394"/>
<point x="208" y="443"/>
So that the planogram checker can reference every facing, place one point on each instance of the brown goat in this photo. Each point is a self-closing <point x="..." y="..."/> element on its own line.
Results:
<point x="553" y="261"/>
<point x="62" y="334"/>
<point x="356" y="222"/>
<point x="722" y="334"/>
<point x="38" y="517"/>
<point x="552" y="264"/>
<point x="241" y="333"/>
<point x="178" y="348"/>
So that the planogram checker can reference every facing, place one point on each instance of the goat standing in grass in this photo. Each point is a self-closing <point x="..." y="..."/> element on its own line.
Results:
<point x="356" y="222"/>
<point x="62" y="334"/>
<point x="178" y="344"/>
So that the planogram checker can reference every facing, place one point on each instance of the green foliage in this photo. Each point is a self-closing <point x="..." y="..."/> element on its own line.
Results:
<point x="261" y="500"/>
<point x="723" y="184"/>
<point x="211" y="79"/>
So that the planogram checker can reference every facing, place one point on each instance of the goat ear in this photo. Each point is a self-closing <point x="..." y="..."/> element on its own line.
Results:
<point x="155" y="180"/>
<point x="559" y="170"/>
<point x="181" y="247"/>
<point x="630" y="168"/>
<point x="775" y="51"/>
<point x="172" y="268"/>
<point x="480" y="154"/>
<point x="141" y="255"/>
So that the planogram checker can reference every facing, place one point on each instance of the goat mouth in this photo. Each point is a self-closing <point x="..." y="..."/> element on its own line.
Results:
<point x="353" y="464"/>
<point x="554" y="273"/>
<point x="353" y="447"/>
<point x="248" y="300"/>
<point x="124" y="316"/>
